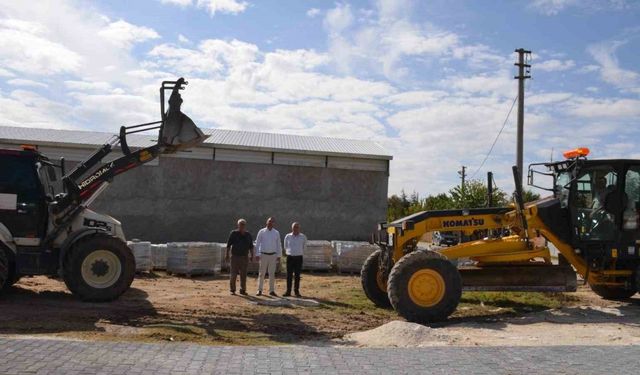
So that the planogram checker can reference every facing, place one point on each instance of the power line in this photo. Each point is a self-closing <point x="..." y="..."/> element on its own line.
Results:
<point x="495" y="140"/>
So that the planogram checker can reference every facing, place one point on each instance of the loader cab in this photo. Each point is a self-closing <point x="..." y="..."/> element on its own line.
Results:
<point x="23" y="207"/>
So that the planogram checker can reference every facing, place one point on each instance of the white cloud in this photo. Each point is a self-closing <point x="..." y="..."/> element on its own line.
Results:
<point x="183" y="39"/>
<point x="313" y="12"/>
<point x="552" y="7"/>
<point x="338" y="19"/>
<point x="223" y="6"/>
<point x="125" y="35"/>
<point x="610" y="71"/>
<point x="182" y="3"/>
<point x="605" y="108"/>
<point x="555" y="65"/>
<point x="27" y="83"/>
<point x="87" y="86"/>
<point x="24" y="48"/>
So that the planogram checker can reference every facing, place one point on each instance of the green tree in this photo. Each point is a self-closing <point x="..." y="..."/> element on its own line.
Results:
<point x="530" y="196"/>
<point x="475" y="195"/>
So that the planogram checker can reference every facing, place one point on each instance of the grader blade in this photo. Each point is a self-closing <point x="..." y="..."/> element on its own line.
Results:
<point x="519" y="278"/>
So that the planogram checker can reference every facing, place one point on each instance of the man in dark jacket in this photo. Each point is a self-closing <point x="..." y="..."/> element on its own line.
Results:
<point x="240" y="245"/>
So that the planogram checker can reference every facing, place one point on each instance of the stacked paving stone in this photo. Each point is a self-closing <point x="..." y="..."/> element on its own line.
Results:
<point x="350" y="255"/>
<point x="159" y="256"/>
<point x="317" y="256"/>
<point x="142" y="253"/>
<point x="192" y="258"/>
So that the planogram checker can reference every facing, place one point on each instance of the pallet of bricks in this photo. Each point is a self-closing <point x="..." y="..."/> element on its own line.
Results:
<point x="193" y="258"/>
<point x="142" y="254"/>
<point x="317" y="256"/>
<point x="349" y="256"/>
<point x="159" y="256"/>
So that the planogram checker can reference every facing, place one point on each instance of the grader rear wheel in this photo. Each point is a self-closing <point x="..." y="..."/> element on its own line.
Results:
<point x="424" y="287"/>
<point x="373" y="283"/>
<point x="612" y="292"/>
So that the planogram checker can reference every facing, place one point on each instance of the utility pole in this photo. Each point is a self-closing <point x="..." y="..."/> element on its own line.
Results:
<point x="463" y="175"/>
<point x="489" y="189"/>
<point x="523" y="73"/>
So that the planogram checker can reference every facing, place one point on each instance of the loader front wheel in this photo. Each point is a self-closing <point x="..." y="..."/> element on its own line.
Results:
<point x="373" y="283"/>
<point x="612" y="292"/>
<point x="99" y="268"/>
<point x="424" y="287"/>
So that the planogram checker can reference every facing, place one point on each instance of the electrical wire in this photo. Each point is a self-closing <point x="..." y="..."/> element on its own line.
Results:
<point x="496" y="139"/>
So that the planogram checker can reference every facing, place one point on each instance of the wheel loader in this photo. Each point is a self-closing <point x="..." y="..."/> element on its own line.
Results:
<point x="46" y="225"/>
<point x="591" y="218"/>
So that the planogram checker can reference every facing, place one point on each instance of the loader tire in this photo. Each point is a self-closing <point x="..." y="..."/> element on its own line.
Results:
<point x="424" y="287"/>
<point x="612" y="292"/>
<point x="375" y="288"/>
<point x="4" y="271"/>
<point x="99" y="268"/>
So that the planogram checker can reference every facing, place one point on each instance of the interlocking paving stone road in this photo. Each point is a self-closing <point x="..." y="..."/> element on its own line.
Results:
<point x="44" y="356"/>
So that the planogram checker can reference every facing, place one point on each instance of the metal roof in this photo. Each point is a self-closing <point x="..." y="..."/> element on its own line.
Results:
<point x="219" y="138"/>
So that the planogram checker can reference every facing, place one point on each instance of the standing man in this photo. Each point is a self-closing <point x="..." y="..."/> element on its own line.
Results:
<point x="295" y="243"/>
<point x="240" y="245"/>
<point x="269" y="251"/>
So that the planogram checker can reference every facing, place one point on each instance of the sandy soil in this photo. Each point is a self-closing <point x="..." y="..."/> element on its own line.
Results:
<point x="160" y="308"/>
<point x="183" y="309"/>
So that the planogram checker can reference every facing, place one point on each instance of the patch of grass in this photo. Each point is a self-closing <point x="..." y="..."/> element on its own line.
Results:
<point x="511" y="302"/>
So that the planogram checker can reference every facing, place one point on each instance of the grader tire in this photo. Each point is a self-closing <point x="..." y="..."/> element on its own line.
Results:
<point x="374" y="287"/>
<point x="4" y="270"/>
<point x="424" y="287"/>
<point x="99" y="268"/>
<point x="612" y="292"/>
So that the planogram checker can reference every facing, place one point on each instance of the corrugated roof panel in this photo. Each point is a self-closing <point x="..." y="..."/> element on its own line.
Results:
<point x="233" y="139"/>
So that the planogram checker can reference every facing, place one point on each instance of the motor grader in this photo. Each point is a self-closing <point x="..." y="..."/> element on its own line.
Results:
<point x="591" y="218"/>
<point x="46" y="226"/>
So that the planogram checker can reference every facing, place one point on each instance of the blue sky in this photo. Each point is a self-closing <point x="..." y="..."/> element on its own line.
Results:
<point x="432" y="81"/>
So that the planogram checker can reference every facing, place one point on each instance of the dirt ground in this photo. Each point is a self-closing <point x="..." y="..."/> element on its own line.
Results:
<point x="164" y="308"/>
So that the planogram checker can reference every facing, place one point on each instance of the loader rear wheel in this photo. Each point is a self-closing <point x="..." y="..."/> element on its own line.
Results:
<point x="612" y="292"/>
<point x="373" y="283"/>
<point x="424" y="287"/>
<point x="99" y="268"/>
<point x="4" y="270"/>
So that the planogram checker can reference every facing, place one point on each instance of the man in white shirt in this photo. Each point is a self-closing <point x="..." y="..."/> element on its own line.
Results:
<point x="269" y="250"/>
<point x="295" y="243"/>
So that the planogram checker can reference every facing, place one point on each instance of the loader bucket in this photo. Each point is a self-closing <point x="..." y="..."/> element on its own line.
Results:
<point x="178" y="132"/>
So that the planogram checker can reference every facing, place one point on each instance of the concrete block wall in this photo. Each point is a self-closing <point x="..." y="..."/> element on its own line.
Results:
<point x="200" y="200"/>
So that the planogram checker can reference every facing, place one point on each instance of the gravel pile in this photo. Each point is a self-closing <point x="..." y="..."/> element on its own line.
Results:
<point x="396" y="334"/>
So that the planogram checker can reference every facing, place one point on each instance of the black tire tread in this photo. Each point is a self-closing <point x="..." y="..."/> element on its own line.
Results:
<point x="398" y="295"/>
<point x="85" y="292"/>
<point x="612" y="293"/>
<point x="4" y="271"/>
<point x="369" y="282"/>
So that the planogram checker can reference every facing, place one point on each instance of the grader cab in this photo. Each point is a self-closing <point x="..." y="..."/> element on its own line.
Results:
<point x="592" y="219"/>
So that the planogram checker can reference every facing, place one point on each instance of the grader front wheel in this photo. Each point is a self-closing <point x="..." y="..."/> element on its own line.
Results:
<point x="373" y="284"/>
<point x="424" y="287"/>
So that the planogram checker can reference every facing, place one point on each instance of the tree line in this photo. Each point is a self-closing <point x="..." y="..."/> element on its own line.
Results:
<point x="473" y="195"/>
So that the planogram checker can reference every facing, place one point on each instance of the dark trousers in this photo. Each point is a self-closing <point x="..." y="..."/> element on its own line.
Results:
<point x="239" y="266"/>
<point x="294" y="267"/>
